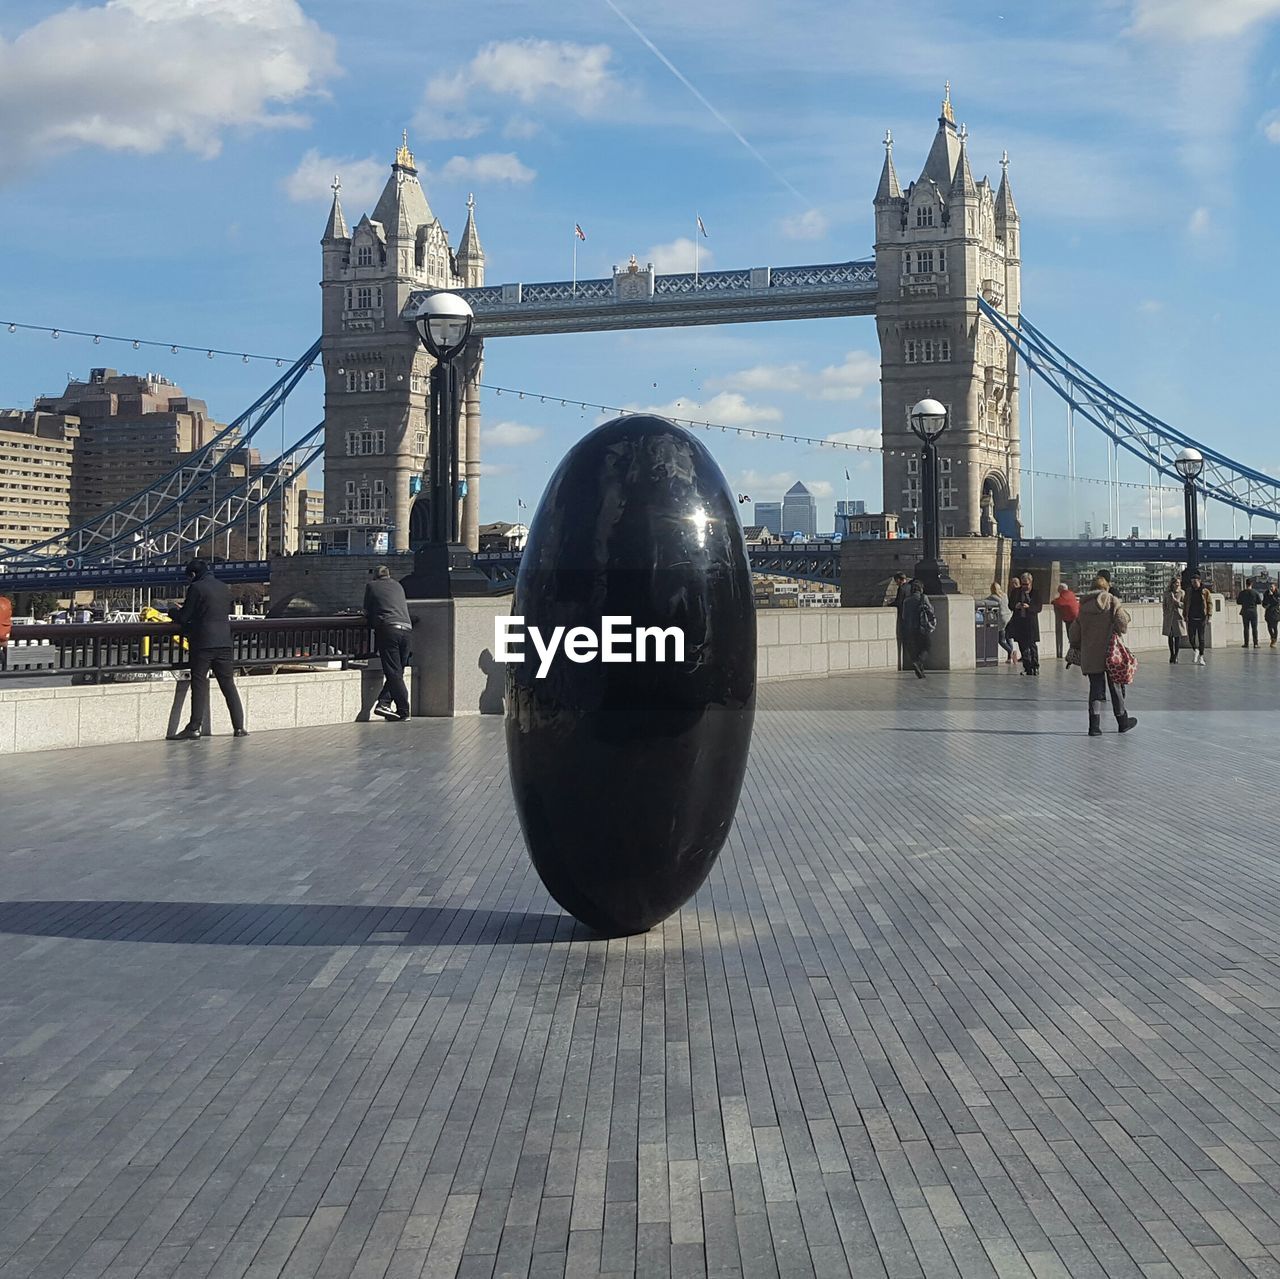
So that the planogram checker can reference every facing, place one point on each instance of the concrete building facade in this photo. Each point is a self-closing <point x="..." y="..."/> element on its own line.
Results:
<point x="376" y="370"/>
<point x="37" y="454"/>
<point x="941" y="242"/>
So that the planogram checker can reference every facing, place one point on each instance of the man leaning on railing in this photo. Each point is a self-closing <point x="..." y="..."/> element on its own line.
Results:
<point x="204" y="618"/>
<point x="6" y="628"/>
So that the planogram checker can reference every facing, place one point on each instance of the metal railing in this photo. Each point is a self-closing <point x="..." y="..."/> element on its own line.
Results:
<point x="96" y="649"/>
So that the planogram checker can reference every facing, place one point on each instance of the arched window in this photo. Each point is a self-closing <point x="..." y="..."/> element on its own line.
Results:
<point x="364" y="255"/>
<point x="924" y="215"/>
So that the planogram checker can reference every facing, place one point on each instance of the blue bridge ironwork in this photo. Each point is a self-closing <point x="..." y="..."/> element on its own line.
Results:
<point x="641" y="299"/>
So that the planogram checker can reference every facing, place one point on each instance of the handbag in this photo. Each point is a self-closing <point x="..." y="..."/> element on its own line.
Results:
<point x="1121" y="663"/>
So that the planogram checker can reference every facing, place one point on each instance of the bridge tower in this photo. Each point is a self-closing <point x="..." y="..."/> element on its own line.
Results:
<point x="939" y="244"/>
<point x="375" y="369"/>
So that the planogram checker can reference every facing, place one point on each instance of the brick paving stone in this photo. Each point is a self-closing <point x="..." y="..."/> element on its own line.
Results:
<point x="958" y="999"/>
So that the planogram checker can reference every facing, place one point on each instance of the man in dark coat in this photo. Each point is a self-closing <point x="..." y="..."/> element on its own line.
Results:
<point x="901" y="590"/>
<point x="1249" y="599"/>
<point x="388" y="612"/>
<point x="205" y="619"/>
<point x="1024" y="629"/>
<point x="918" y="624"/>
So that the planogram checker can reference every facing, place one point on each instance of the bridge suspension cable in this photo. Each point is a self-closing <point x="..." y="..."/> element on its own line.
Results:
<point x="1126" y="424"/>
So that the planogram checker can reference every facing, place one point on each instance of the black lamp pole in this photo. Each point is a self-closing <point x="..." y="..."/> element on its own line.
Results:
<point x="443" y="321"/>
<point x="929" y="419"/>
<point x="1189" y="463"/>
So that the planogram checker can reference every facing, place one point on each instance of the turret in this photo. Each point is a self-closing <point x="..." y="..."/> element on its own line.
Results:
<point x="469" y="260"/>
<point x="336" y="241"/>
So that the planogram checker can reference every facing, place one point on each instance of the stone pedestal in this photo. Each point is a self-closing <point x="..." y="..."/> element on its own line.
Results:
<point x="954" y="646"/>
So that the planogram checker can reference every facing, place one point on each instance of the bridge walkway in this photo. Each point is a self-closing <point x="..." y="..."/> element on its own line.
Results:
<point x="968" y="993"/>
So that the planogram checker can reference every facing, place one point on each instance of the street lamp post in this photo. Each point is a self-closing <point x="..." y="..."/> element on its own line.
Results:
<point x="1189" y="464"/>
<point x="443" y="322"/>
<point x="929" y="421"/>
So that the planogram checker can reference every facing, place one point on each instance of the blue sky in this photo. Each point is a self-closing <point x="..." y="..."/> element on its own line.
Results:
<point x="164" y="170"/>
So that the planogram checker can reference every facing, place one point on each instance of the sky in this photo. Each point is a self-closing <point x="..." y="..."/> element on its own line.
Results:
<point x="165" y="170"/>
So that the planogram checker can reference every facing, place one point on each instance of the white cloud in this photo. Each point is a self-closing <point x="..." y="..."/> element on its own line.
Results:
<point x="765" y="377"/>
<point x="849" y="380"/>
<point x="812" y="224"/>
<point x="431" y="122"/>
<point x="520" y="128"/>
<point x="492" y="167"/>
<point x="510" y="435"/>
<point x="1150" y="306"/>
<point x="141" y="75"/>
<point x="1188" y="20"/>
<point x="312" y="179"/>
<point x="677" y="256"/>
<point x="1272" y="131"/>
<point x="726" y="409"/>
<point x="1199" y="222"/>
<point x="764" y="486"/>
<point x="865" y="437"/>
<point x="531" y="70"/>
<point x="496" y="468"/>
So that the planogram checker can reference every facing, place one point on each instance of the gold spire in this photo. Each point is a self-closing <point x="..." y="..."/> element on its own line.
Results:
<point x="404" y="157"/>
<point x="947" y="113"/>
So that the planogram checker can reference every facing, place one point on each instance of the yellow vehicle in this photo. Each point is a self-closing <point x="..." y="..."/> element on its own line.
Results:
<point x="150" y="614"/>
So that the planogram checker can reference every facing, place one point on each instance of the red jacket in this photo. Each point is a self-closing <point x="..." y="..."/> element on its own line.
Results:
<point x="6" y="618"/>
<point x="1067" y="607"/>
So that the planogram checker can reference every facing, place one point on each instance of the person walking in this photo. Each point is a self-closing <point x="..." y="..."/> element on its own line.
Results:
<point x="1066" y="608"/>
<point x="919" y="621"/>
<point x="388" y="612"/>
<point x="1248" y="599"/>
<point x="998" y="603"/>
<point x="1024" y="629"/>
<point x="1101" y="618"/>
<point x="1270" y="612"/>
<point x="1197" y="609"/>
<point x="901" y="590"/>
<point x="1175" y="623"/>
<point x="205" y="619"/>
<point x="6" y="629"/>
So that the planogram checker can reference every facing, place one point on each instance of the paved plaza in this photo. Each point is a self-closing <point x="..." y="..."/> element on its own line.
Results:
<point x="967" y="994"/>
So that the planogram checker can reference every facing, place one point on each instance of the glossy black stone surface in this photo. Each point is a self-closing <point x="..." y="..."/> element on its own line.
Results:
<point x="626" y="775"/>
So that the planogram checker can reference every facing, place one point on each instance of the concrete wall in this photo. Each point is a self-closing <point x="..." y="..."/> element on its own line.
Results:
<point x="795" y="643"/>
<point x="41" y="719"/>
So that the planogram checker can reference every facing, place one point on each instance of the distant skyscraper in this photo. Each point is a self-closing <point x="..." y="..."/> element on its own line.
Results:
<point x="769" y="515"/>
<point x="799" y="511"/>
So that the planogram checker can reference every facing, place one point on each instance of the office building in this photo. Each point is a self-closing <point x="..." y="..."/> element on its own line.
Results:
<point x="799" y="512"/>
<point x="36" y="457"/>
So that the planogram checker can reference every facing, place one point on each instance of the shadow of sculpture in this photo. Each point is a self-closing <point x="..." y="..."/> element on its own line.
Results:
<point x="274" y="924"/>
<point x="495" y="682"/>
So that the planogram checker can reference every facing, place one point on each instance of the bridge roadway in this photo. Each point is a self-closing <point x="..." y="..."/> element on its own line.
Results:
<point x="810" y="561"/>
<point x="968" y="993"/>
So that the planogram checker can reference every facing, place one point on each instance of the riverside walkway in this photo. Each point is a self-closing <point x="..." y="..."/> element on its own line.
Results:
<point x="968" y="994"/>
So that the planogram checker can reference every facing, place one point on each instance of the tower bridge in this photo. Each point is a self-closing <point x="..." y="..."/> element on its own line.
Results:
<point x="943" y="286"/>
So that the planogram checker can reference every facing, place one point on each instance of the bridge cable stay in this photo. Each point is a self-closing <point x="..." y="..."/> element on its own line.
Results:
<point x="252" y="493"/>
<point x="1134" y="429"/>
<point x="114" y="529"/>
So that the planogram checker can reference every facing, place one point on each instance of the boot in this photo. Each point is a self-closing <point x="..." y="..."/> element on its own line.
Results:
<point x="1095" y="725"/>
<point x="1129" y="721"/>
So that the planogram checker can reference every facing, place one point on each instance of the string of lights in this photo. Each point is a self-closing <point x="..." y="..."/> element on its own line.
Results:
<point x="813" y="441"/>
<point x="752" y="432"/>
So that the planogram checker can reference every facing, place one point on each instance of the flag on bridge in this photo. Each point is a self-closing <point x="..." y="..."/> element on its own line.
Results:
<point x="579" y="232"/>
<point x="701" y="228"/>
<point x="847" y="476"/>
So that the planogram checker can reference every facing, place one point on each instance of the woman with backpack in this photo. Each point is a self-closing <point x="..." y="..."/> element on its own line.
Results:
<point x="1109" y="668"/>
<point x="919" y="622"/>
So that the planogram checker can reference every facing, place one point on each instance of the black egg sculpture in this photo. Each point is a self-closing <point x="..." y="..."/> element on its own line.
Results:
<point x="626" y="773"/>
